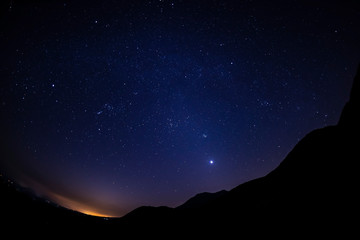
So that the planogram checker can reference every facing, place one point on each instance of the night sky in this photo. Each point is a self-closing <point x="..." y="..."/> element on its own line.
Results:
<point x="106" y="106"/>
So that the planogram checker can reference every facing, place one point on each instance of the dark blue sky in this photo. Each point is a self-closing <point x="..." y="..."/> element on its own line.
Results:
<point x="109" y="105"/>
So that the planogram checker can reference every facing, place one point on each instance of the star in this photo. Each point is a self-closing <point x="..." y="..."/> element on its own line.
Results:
<point x="139" y="94"/>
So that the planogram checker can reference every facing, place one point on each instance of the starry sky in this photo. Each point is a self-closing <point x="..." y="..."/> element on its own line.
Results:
<point x="106" y="106"/>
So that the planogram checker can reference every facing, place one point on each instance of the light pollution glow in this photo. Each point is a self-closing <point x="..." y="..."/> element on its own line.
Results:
<point x="77" y="206"/>
<point x="88" y="206"/>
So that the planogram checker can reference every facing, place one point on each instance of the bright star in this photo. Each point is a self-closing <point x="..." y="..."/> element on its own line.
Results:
<point x="211" y="162"/>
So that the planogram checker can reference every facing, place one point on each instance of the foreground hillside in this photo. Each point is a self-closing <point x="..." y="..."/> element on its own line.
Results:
<point x="314" y="188"/>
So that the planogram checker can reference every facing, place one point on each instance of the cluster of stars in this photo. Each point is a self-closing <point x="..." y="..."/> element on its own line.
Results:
<point x="153" y="102"/>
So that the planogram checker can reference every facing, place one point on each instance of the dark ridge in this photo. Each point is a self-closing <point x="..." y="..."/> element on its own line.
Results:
<point x="201" y="199"/>
<point x="313" y="190"/>
<point x="349" y="118"/>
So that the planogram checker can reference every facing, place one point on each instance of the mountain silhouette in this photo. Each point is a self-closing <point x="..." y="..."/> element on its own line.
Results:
<point x="201" y="199"/>
<point x="313" y="189"/>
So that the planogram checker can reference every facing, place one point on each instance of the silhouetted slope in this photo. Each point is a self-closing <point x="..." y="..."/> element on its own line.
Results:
<point x="201" y="199"/>
<point x="317" y="181"/>
<point x="21" y="207"/>
<point x="350" y="118"/>
<point x="315" y="185"/>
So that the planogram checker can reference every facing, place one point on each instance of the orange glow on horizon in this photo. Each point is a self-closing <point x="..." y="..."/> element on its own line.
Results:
<point x="99" y="207"/>
<point x="92" y="213"/>
<point x="78" y="206"/>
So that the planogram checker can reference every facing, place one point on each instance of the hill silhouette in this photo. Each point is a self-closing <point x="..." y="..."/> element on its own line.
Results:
<point x="314" y="188"/>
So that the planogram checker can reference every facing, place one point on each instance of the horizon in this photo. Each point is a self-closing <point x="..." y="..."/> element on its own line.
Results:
<point x="109" y="106"/>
